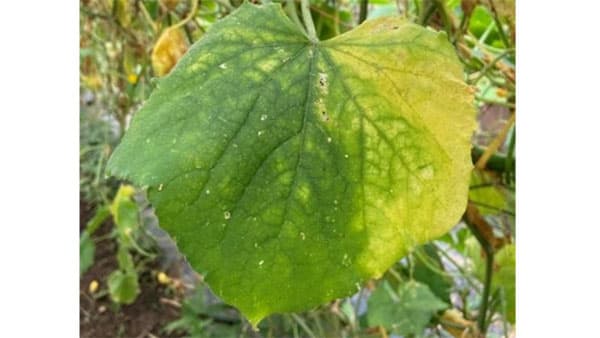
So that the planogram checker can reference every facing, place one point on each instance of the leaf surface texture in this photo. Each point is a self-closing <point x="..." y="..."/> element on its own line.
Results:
<point x="290" y="172"/>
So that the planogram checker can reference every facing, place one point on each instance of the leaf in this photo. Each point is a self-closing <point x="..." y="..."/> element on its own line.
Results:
<point x="87" y="249"/>
<point x="192" y="308"/>
<point x="123" y="286"/>
<point x="123" y="10"/>
<point x="482" y="21"/>
<point x="440" y="285"/>
<point x="102" y="213"/>
<point x="487" y="195"/>
<point x="125" y="214"/>
<point x="407" y="311"/>
<point x="291" y="172"/>
<point x="504" y="278"/>
<point x="124" y="260"/>
<point x="169" y="48"/>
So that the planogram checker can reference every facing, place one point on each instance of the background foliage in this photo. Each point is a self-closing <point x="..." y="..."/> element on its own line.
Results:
<point x="464" y="281"/>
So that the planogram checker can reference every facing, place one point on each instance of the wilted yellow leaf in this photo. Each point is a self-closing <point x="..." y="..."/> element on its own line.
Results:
<point x="123" y="11"/>
<point x="169" y="48"/>
<point x="93" y="81"/>
<point x="454" y="322"/>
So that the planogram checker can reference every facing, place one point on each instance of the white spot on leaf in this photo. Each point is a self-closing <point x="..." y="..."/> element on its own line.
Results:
<point x="426" y="172"/>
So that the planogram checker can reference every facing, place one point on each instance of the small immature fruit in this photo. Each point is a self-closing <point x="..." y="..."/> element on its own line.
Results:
<point x="132" y="78"/>
<point x="163" y="278"/>
<point x="93" y="286"/>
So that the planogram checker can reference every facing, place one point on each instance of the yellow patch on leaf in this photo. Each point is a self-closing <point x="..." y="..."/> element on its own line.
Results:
<point x="93" y="82"/>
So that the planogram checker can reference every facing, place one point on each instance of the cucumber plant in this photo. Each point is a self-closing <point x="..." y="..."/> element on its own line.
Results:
<point x="291" y="170"/>
<point x="123" y="286"/>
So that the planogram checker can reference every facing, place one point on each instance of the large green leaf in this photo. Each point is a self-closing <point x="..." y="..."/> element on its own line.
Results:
<point x="405" y="312"/>
<point x="289" y="172"/>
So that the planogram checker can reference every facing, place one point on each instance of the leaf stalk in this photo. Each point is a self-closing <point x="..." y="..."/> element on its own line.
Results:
<point x="489" y="251"/>
<point x="364" y="8"/>
<point x="308" y="21"/>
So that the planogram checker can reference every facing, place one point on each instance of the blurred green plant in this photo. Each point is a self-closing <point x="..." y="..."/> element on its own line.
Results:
<point x="406" y="310"/>
<point x="96" y="142"/>
<point x="202" y="320"/>
<point x="123" y="286"/>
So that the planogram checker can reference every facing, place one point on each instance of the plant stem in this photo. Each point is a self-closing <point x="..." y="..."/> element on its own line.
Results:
<point x="291" y="9"/>
<point x="336" y="19"/>
<point x="364" y="8"/>
<point x="490" y="65"/>
<point x="449" y="24"/>
<point x="426" y="12"/>
<point x="148" y="17"/>
<point x="495" y="144"/>
<point x="190" y="14"/>
<point x="509" y="164"/>
<point x="489" y="270"/>
<point x="499" y="25"/>
<point x="308" y="21"/>
<point x="489" y="266"/>
<point x="484" y="205"/>
<point x="496" y="162"/>
<point x="303" y="325"/>
<point x="503" y="104"/>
